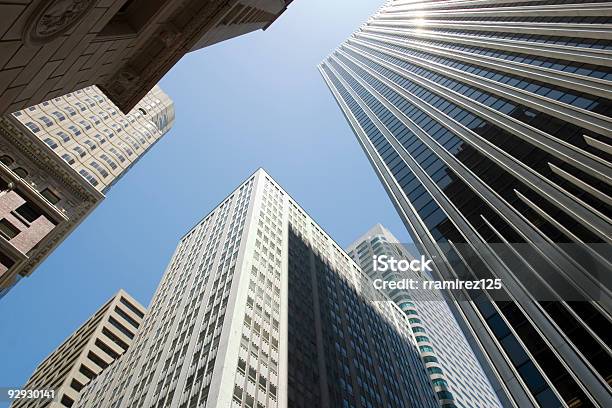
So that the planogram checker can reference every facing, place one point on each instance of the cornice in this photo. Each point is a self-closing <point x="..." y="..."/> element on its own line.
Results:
<point x="48" y="161"/>
<point x="128" y="86"/>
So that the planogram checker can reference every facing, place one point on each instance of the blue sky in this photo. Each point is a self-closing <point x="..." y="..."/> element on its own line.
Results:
<point x="254" y="101"/>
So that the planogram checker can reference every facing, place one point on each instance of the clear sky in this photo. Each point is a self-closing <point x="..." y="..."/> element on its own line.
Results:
<point x="249" y="102"/>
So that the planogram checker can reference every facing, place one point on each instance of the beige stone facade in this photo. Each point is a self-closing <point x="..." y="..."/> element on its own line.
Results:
<point x="101" y="340"/>
<point x="57" y="160"/>
<point x="53" y="47"/>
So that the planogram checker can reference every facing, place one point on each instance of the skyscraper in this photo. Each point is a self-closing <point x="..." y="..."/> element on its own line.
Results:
<point x="101" y="340"/>
<point x="124" y="47"/>
<point x="454" y="366"/>
<point x="57" y="160"/>
<point x="261" y="308"/>
<point x="488" y="124"/>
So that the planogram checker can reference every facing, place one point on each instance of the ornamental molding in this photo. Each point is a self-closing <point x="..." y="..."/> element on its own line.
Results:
<point x="176" y="42"/>
<point x="48" y="162"/>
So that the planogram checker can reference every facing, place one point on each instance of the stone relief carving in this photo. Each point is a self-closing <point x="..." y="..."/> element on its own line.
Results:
<point x="51" y="19"/>
<point x="169" y="35"/>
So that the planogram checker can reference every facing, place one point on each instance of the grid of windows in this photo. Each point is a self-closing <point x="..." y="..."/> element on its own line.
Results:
<point x="233" y="322"/>
<point x="81" y="123"/>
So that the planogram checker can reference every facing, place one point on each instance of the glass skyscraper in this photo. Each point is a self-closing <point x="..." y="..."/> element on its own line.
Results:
<point x="260" y="308"/>
<point x="455" y="372"/>
<point x="489" y="124"/>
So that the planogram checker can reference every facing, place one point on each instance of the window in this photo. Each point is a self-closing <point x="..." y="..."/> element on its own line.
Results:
<point x="75" y="385"/>
<point x="444" y="395"/>
<point x="67" y="401"/>
<point x="90" y="144"/>
<point x="116" y="153"/>
<point x="60" y="116"/>
<point x="440" y="382"/>
<point x="74" y="130"/>
<point x="21" y="172"/>
<point x="121" y="327"/>
<point x="97" y="360"/>
<point x="81" y="152"/>
<point x="68" y="158"/>
<point x="131" y="18"/>
<point x="28" y="212"/>
<point x="92" y="180"/>
<point x="8" y="230"/>
<point x="33" y="127"/>
<point x="50" y="196"/>
<point x="85" y="124"/>
<point x="131" y="307"/>
<point x="109" y="161"/>
<point x="48" y="122"/>
<point x="434" y="370"/>
<point x="127" y="149"/>
<point x="63" y="135"/>
<point x="50" y="143"/>
<point x="6" y="160"/>
<point x="114" y="338"/>
<point x="70" y="110"/>
<point x="87" y="372"/>
<point x="100" y="138"/>
<point x="126" y="316"/>
<point x="100" y="169"/>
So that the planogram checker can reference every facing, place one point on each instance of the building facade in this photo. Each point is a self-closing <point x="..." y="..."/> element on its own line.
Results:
<point x="91" y="349"/>
<point x="260" y="308"/>
<point x="449" y="359"/>
<point x="51" y="48"/>
<point x="57" y="160"/>
<point x="489" y="124"/>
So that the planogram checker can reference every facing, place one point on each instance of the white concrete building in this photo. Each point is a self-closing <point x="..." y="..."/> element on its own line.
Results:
<point x="259" y="307"/>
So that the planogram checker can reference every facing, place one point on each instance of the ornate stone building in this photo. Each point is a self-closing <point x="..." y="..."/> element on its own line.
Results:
<point x="53" y="47"/>
<point x="57" y="160"/>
